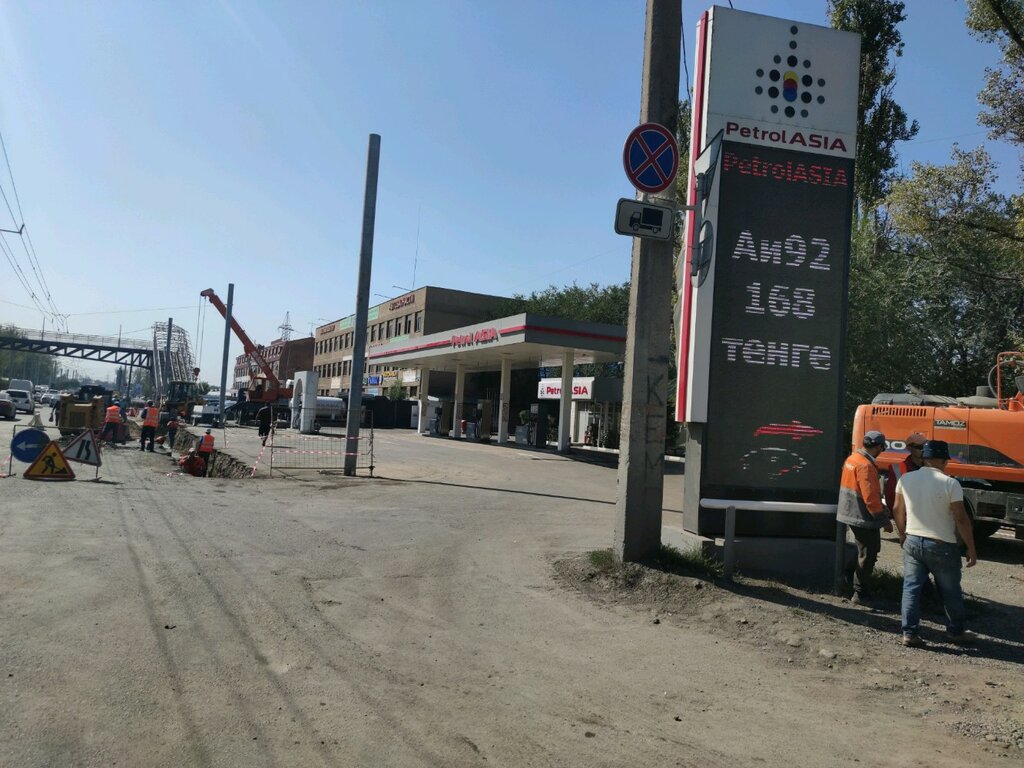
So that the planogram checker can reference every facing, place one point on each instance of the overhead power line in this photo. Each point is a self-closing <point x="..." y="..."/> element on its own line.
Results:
<point x="47" y="307"/>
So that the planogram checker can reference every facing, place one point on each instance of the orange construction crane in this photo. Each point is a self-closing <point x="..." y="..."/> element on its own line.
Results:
<point x="266" y="388"/>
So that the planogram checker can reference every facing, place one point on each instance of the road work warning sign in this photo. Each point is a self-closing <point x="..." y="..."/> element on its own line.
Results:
<point x="84" y="449"/>
<point x="50" y="465"/>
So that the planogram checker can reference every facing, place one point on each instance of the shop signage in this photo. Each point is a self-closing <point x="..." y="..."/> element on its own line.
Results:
<point x="405" y="301"/>
<point x="374" y="380"/>
<point x="551" y="389"/>
<point x="325" y="329"/>
<point x="483" y="336"/>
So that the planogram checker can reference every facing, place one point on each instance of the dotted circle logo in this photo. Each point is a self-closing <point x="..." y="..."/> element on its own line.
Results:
<point x="790" y="82"/>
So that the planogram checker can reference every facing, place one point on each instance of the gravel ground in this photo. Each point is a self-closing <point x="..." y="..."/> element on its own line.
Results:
<point x="446" y="613"/>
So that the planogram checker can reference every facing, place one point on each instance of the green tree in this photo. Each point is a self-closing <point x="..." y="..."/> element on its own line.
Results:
<point x="1001" y="22"/>
<point x="396" y="391"/>
<point x="936" y="288"/>
<point x="881" y="121"/>
<point x="950" y="220"/>
<point x="594" y="303"/>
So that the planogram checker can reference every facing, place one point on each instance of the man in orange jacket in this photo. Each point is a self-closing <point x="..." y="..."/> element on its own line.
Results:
<point x="150" y="421"/>
<point x="111" y="421"/>
<point x="860" y="507"/>
<point x="205" y="450"/>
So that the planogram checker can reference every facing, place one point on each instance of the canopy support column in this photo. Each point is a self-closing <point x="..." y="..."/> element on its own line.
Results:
<point x="460" y="388"/>
<point x="503" y="415"/>
<point x="565" y="401"/>
<point x="424" y="418"/>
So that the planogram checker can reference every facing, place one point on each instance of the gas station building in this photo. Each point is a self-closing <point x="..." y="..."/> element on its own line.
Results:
<point x="523" y="341"/>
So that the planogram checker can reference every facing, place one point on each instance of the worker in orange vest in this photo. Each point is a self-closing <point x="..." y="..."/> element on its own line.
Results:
<point x="150" y="421"/>
<point x="205" y="450"/>
<point x="111" y="421"/>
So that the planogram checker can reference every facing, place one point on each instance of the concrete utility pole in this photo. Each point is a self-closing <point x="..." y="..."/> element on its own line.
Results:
<point x="355" y="390"/>
<point x="227" y="343"/>
<point x="644" y="405"/>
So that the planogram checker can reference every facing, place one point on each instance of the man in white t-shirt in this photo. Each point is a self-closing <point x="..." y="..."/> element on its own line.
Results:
<point x="928" y="513"/>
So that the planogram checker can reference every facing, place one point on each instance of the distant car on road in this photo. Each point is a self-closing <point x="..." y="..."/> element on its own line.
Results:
<point x="7" y="408"/>
<point x="22" y="400"/>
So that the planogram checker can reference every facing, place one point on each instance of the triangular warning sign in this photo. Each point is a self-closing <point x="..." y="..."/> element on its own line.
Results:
<point x="84" y="449"/>
<point x="50" y="465"/>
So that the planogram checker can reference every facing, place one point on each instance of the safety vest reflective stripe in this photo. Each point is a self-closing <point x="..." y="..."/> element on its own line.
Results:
<point x="113" y="415"/>
<point x="206" y="444"/>
<point x="152" y="417"/>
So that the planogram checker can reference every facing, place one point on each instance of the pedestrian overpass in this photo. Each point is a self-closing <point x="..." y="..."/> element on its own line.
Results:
<point x="167" y="356"/>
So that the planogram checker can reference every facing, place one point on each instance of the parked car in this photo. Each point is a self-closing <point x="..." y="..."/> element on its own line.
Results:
<point x="22" y="400"/>
<point x="7" y="408"/>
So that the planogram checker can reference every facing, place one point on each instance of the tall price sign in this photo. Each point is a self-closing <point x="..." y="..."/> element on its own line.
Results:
<point x="763" y="302"/>
<point x="776" y="354"/>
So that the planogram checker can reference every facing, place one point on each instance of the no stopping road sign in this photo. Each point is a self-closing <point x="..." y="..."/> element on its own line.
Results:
<point x="651" y="157"/>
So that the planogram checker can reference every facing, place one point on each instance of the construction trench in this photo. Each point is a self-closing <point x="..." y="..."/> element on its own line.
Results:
<point x="222" y="465"/>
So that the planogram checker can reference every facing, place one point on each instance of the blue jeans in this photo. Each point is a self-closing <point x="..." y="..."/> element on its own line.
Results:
<point x="922" y="556"/>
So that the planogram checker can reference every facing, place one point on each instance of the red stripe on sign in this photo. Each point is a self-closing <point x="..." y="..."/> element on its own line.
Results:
<point x="697" y="126"/>
<point x="652" y="157"/>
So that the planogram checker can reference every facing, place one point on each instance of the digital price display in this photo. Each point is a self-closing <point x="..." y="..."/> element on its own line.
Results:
<point x="777" y="350"/>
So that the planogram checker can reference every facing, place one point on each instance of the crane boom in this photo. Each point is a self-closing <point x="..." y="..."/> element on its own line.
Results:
<point x="273" y="384"/>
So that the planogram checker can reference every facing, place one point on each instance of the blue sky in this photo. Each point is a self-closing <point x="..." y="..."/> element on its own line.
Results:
<point x="163" y="148"/>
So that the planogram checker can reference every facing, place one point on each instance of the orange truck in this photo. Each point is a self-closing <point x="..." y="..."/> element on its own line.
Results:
<point x="985" y="436"/>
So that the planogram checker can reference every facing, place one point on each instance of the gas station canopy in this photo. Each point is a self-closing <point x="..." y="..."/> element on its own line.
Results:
<point x="526" y="340"/>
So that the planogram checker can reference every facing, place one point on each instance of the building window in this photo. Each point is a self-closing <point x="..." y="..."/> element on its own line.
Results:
<point x="418" y="321"/>
<point x="390" y="328"/>
<point x="408" y="324"/>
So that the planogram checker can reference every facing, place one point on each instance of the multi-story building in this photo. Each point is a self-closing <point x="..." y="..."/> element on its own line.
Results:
<point x="420" y="312"/>
<point x="283" y="357"/>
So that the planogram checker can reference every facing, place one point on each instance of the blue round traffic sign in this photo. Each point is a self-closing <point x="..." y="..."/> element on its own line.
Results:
<point x="651" y="157"/>
<point x="28" y="444"/>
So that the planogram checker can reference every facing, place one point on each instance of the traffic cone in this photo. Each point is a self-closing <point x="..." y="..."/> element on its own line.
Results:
<point x="36" y="422"/>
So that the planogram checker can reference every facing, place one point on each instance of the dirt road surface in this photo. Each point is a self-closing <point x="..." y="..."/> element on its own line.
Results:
<point x="443" y="615"/>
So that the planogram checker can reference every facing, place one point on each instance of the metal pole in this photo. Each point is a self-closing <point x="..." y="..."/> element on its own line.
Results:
<point x="355" y="390"/>
<point x="167" y="359"/>
<point x="227" y="342"/>
<point x="645" y="390"/>
<point x="729" y="558"/>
